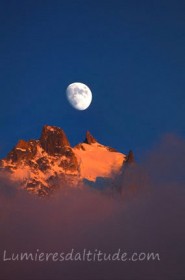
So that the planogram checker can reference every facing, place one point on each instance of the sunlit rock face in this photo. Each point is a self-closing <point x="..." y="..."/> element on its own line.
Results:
<point x="23" y="151"/>
<point x="42" y="166"/>
<point x="89" y="139"/>
<point x="53" y="140"/>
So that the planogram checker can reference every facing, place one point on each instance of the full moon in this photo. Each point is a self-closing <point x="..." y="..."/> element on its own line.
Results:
<point x="79" y="96"/>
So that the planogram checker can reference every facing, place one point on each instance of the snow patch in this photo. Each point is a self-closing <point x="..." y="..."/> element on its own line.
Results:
<point x="97" y="161"/>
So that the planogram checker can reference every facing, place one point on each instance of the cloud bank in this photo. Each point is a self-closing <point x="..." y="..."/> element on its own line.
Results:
<point x="146" y="216"/>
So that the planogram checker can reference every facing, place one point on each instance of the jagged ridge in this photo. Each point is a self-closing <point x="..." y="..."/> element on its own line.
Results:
<point x="45" y="164"/>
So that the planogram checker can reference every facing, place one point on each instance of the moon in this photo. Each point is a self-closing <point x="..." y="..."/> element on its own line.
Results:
<point x="79" y="96"/>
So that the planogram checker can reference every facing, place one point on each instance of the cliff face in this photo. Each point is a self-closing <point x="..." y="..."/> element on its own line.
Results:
<point x="23" y="151"/>
<point x="41" y="166"/>
<point x="53" y="140"/>
<point x="89" y="139"/>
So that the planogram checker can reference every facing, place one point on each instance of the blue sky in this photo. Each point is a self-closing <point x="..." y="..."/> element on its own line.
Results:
<point x="130" y="53"/>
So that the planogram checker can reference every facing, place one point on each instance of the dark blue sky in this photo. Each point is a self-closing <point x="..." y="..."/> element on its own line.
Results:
<point x="130" y="53"/>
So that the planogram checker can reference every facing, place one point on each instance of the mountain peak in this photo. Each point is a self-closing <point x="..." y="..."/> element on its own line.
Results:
<point x="43" y="165"/>
<point x="53" y="139"/>
<point x="130" y="157"/>
<point x="24" y="150"/>
<point x="89" y="139"/>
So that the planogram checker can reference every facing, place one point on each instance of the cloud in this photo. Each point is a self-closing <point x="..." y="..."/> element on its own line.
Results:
<point x="148" y="216"/>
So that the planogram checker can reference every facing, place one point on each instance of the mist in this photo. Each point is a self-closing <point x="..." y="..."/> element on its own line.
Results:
<point x="144" y="214"/>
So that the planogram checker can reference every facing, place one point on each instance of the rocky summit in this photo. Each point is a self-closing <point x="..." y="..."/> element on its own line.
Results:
<point x="41" y="166"/>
